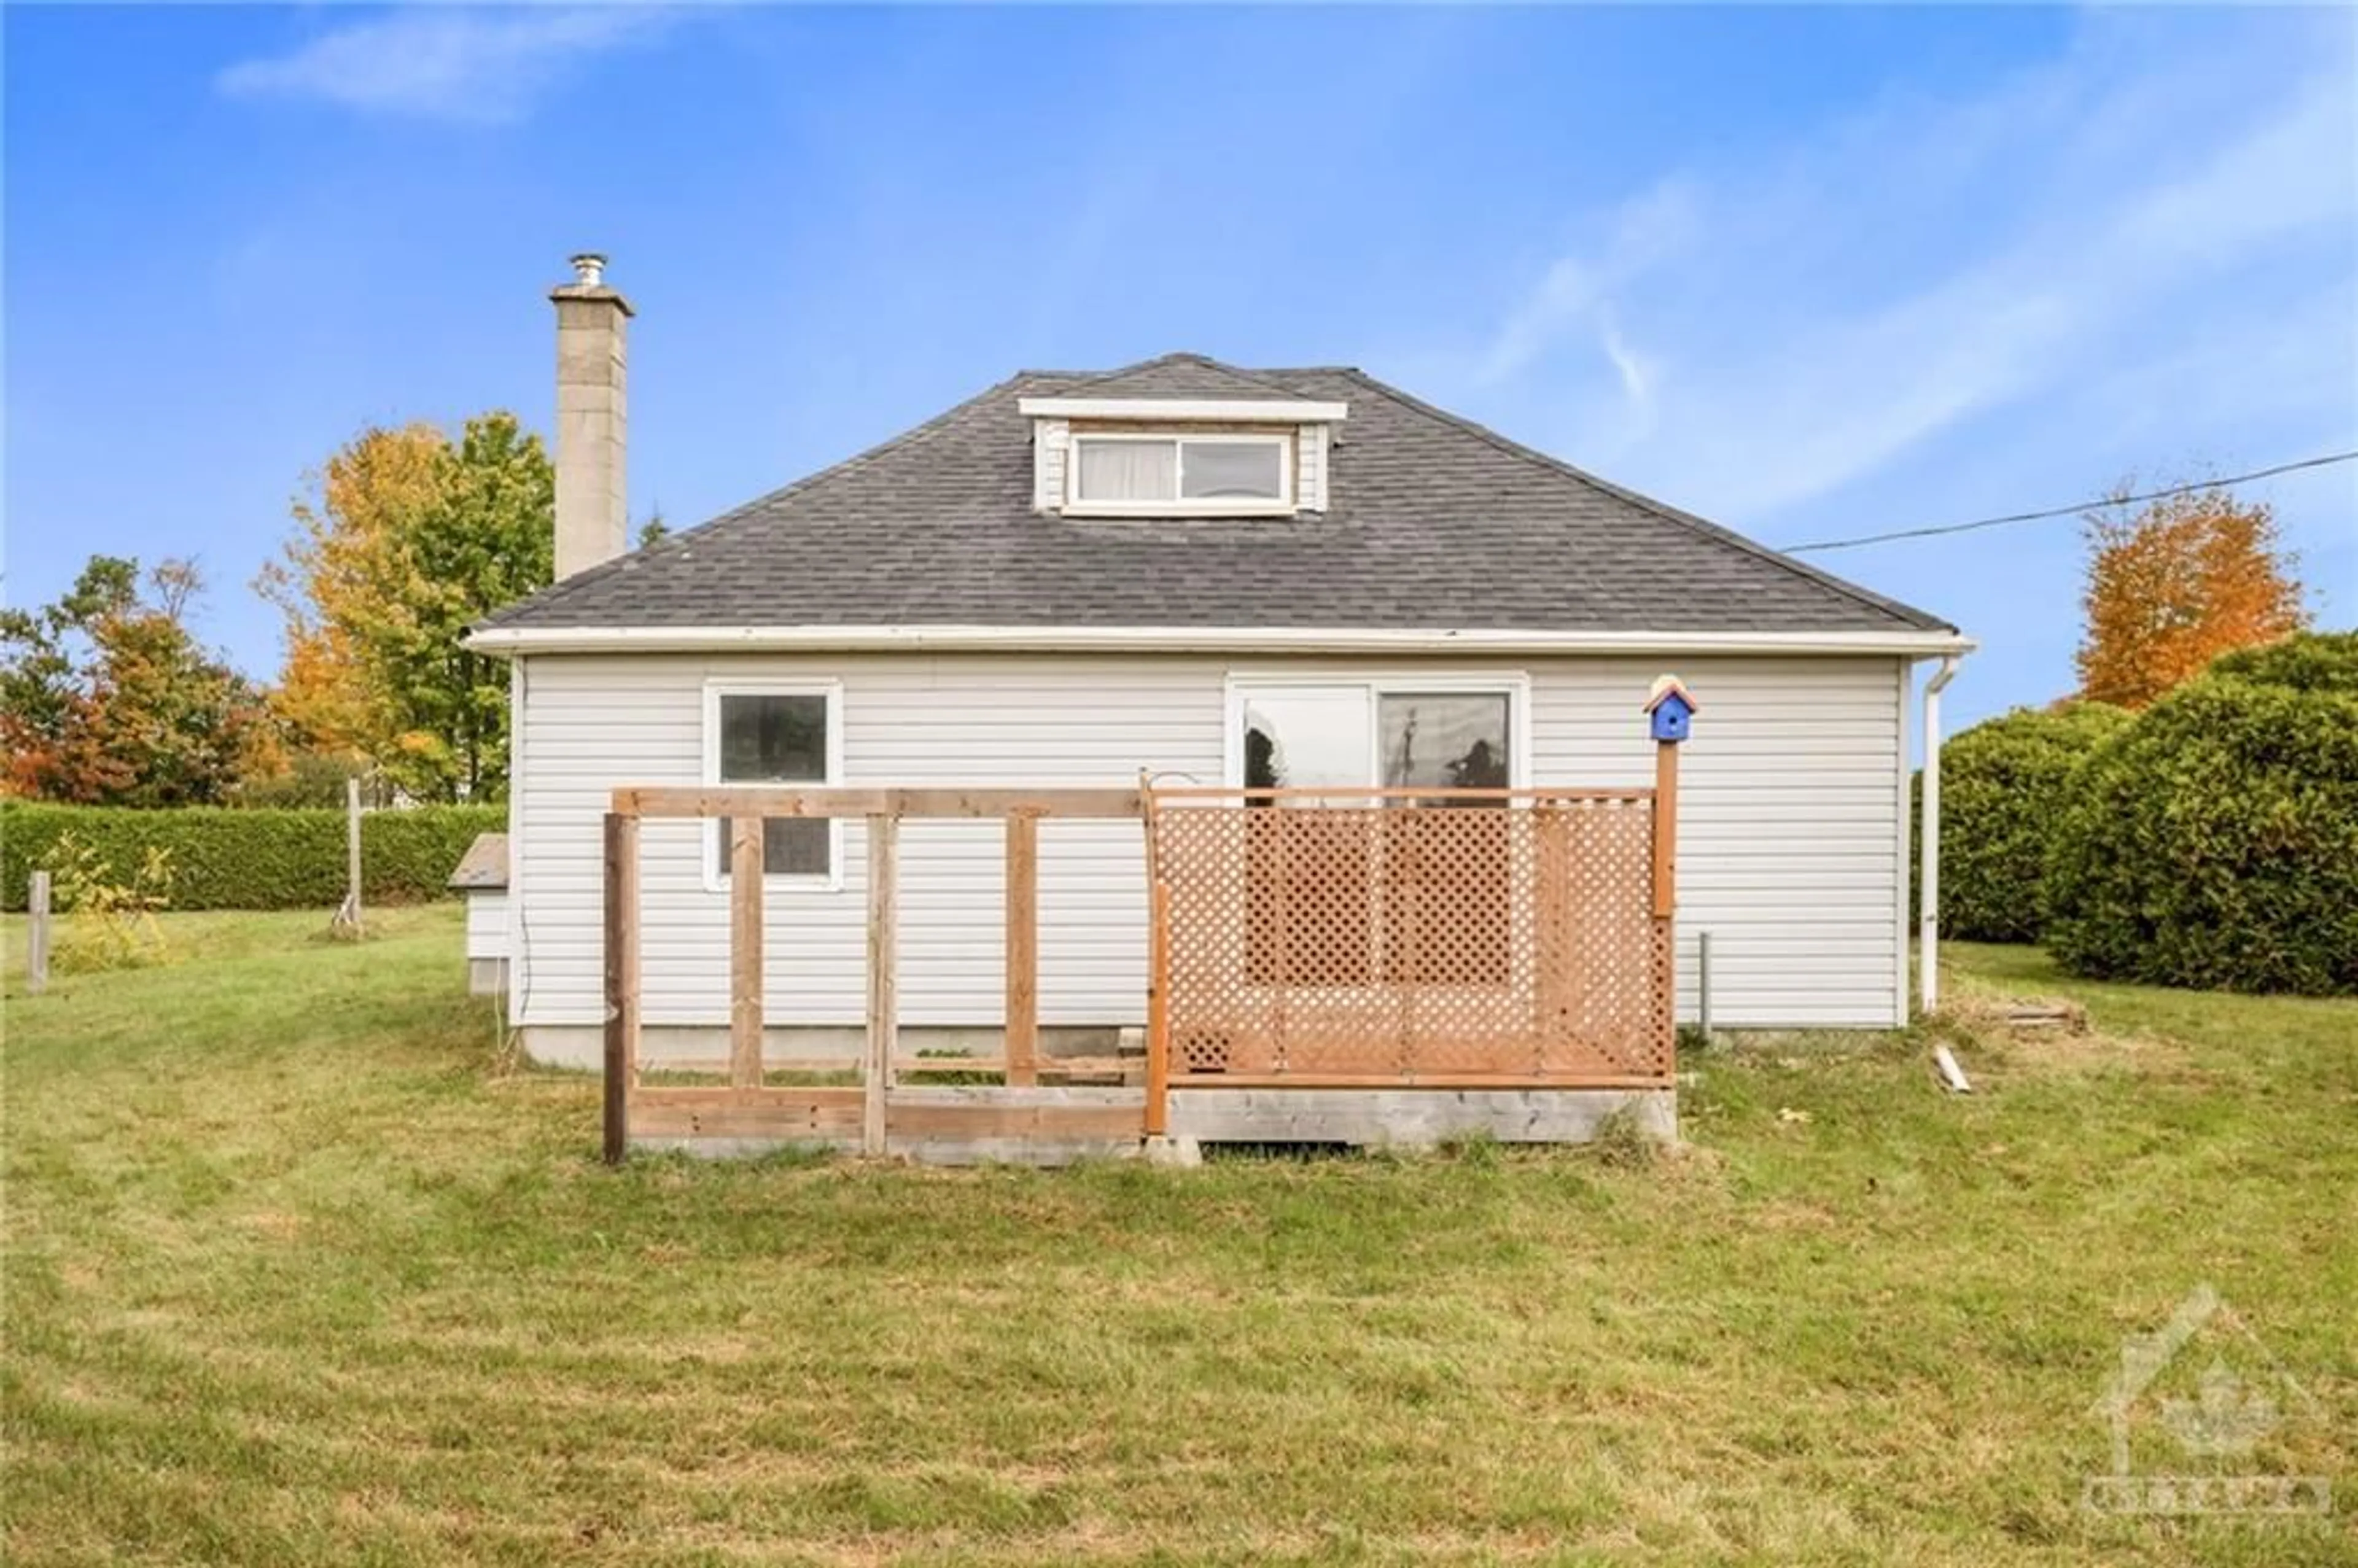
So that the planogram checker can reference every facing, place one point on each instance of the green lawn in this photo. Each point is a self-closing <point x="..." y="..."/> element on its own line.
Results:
<point x="301" y="1269"/>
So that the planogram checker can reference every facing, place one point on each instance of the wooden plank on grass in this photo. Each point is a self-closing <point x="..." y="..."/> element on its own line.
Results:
<point x="810" y="1114"/>
<point x="1022" y="948"/>
<point x="982" y="1112"/>
<point x="745" y="858"/>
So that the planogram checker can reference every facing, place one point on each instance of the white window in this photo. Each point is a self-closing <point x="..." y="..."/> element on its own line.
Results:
<point x="774" y="733"/>
<point x="1232" y="475"/>
<point x="1403" y="732"/>
<point x="1339" y="911"/>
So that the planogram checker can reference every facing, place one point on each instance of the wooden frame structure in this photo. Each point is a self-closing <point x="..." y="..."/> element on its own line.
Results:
<point x="1017" y="1119"/>
<point x="1469" y="904"/>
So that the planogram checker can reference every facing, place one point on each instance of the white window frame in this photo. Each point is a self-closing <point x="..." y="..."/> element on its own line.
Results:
<point x="1282" y="505"/>
<point x="708" y="849"/>
<point x="1515" y="686"/>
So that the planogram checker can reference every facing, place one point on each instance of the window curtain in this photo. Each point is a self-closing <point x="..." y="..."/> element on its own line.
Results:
<point x="1129" y="470"/>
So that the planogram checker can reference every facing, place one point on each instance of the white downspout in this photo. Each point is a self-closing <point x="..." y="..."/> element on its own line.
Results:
<point x="1928" y="880"/>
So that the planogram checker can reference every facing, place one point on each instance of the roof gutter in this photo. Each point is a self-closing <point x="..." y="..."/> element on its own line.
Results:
<point x="508" y="641"/>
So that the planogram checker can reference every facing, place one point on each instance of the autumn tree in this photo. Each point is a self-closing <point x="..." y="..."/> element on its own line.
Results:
<point x="2174" y="585"/>
<point x="408" y="539"/>
<point x="336" y="566"/>
<point x="107" y="698"/>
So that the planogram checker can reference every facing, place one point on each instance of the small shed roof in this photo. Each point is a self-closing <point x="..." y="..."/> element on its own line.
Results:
<point x="485" y="864"/>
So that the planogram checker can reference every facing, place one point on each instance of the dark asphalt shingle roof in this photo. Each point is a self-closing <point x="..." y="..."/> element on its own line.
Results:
<point x="1433" y="523"/>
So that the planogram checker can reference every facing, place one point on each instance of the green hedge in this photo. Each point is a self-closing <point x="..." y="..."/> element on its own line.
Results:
<point x="2001" y="781"/>
<point x="2214" y="842"/>
<point x="255" y="858"/>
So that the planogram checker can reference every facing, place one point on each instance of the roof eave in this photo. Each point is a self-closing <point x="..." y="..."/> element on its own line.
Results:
<point x="508" y="641"/>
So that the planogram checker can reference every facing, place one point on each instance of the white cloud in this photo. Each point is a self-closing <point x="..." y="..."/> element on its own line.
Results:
<point x="1758" y="336"/>
<point x="1572" y="295"/>
<point x="444" y="63"/>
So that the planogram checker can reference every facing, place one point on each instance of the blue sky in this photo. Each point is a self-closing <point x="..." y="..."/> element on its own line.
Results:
<point x="1812" y="272"/>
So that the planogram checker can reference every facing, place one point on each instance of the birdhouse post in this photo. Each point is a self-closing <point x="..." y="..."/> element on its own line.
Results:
<point x="1670" y="710"/>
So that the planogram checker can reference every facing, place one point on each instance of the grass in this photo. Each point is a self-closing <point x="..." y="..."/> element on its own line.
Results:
<point x="301" y="1269"/>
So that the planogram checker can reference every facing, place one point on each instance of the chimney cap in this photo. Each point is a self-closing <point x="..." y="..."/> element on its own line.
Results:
<point x="588" y="283"/>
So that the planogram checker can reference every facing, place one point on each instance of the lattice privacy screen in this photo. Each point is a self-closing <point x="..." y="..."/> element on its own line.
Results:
<point x="1407" y="940"/>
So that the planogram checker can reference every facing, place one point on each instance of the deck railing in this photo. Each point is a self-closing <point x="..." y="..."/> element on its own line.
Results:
<point x="1429" y="937"/>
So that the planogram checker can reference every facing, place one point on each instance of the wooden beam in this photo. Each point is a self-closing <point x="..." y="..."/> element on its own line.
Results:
<point x="1158" y="1009"/>
<point x="745" y="980"/>
<point x="1022" y="948"/>
<point x="964" y="1121"/>
<point x="1190" y="1082"/>
<point x="1396" y="792"/>
<point x="1666" y="829"/>
<point x="883" y="999"/>
<point x="622" y="870"/>
<point x="816" y="1115"/>
<point x="752" y="800"/>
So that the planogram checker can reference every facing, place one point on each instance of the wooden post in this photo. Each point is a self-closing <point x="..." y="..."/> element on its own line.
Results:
<point x="745" y="866"/>
<point x="1158" y="1012"/>
<point x="1666" y="829"/>
<point x="352" y="843"/>
<point x="1022" y="949"/>
<point x="37" y="952"/>
<point x="347" y="922"/>
<point x="622" y="1066"/>
<point x="883" y="1004"/>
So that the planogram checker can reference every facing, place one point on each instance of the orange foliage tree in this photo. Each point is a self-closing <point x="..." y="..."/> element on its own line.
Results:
<point x="408" y="538"/>
<point x="336" y="574"/>
<point x="106" y="699"/>
<point x="2176" y="584"/>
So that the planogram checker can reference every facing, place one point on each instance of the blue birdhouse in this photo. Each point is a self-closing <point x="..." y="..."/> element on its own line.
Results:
<point x="1671" y="710"/>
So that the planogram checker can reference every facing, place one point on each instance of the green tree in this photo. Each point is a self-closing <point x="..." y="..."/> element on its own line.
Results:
<point x="411" y="540"/>
<point x="107" y="698"/>
<point x="2214" y="841"/>
<point x="2002" y="782"/>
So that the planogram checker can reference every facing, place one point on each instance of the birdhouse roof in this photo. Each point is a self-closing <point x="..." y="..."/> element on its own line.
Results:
<point x="1667" y="688"/>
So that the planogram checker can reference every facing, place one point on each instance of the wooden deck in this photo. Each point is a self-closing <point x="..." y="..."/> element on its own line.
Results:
<point x="1421" y="964"/>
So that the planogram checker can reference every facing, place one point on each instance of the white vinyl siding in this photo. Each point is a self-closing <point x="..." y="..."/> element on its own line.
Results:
<point x="1790" y="839"/>
<point x="487" y="925"/>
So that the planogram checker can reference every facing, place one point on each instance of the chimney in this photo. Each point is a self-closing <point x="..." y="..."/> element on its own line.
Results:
<point x="592" y="519"/>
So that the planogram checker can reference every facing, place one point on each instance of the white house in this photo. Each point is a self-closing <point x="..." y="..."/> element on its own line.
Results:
<point x="1298" y="576"/>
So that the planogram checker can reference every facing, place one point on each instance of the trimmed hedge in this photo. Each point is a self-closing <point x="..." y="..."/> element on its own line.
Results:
<point x="2214" y="842"/>
<point x="2001" y="781"/>
<point x="226" y="858"/>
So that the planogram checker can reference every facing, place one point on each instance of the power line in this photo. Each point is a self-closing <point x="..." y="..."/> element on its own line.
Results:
<point x="2074" y="510"/>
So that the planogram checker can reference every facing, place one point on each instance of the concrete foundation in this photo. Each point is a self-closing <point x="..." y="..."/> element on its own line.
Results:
<point x="1412" y="1118"/>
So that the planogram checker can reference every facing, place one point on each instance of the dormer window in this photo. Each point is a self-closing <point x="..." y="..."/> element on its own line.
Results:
<point x="1144" y="456"/>
<point x="1197" y="475"/>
